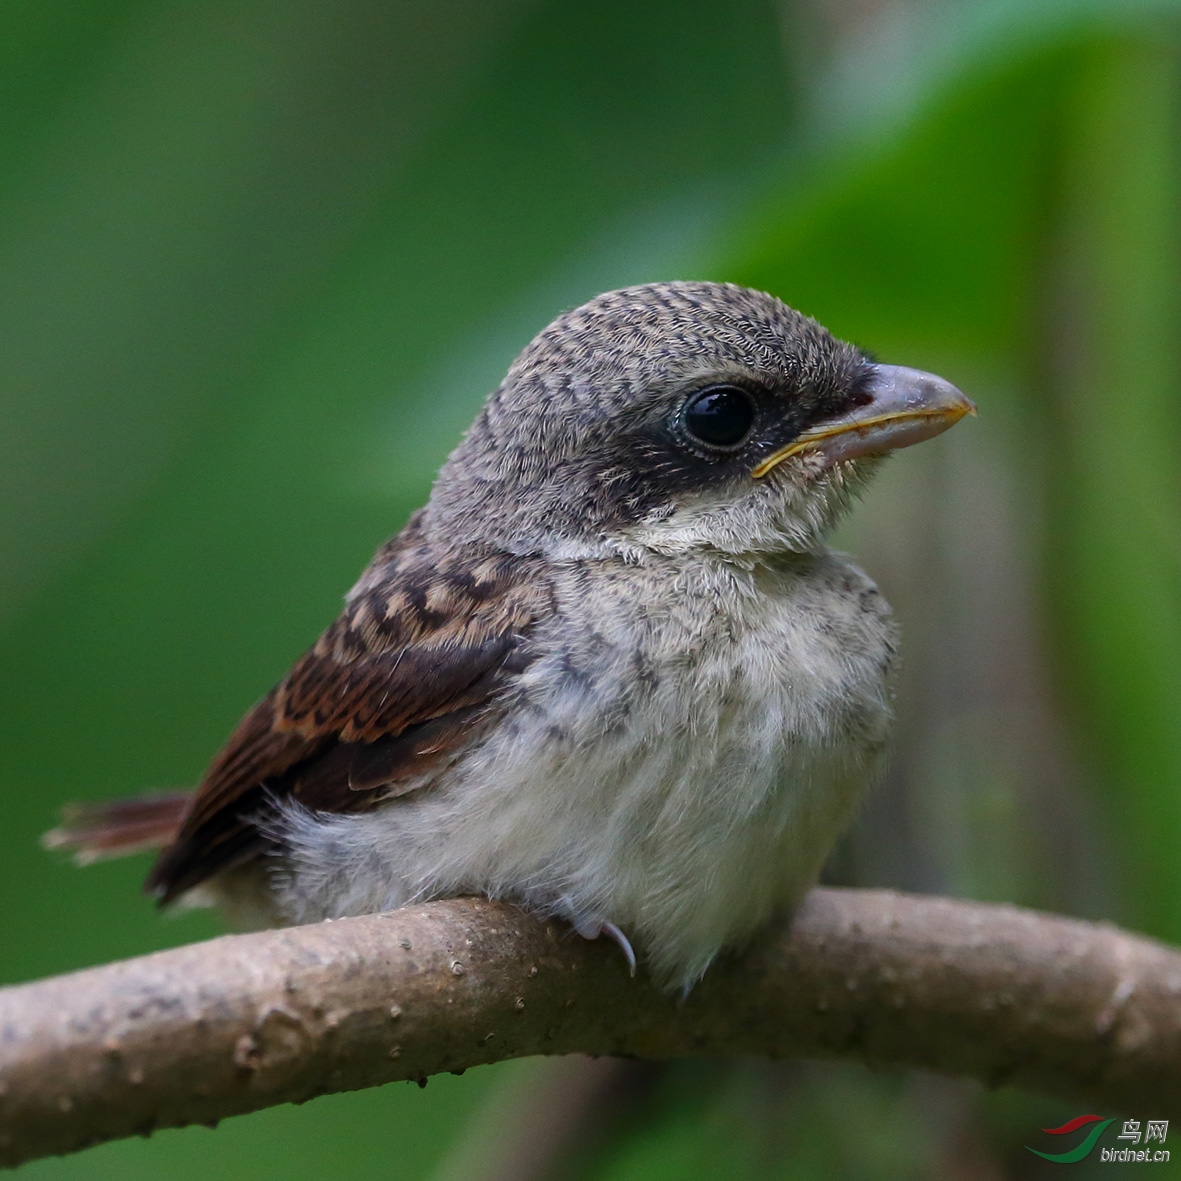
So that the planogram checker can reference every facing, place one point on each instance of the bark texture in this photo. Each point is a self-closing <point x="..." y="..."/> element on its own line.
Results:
<point x="215" y="1029"/>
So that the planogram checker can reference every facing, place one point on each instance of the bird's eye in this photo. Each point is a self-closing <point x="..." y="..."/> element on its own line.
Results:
<point x="721" y="416"/>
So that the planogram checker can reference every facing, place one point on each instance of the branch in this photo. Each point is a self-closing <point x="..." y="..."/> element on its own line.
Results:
<point x="247" y="1021"/>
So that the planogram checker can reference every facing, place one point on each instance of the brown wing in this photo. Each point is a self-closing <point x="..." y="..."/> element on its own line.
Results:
<point x="414" y="666"/>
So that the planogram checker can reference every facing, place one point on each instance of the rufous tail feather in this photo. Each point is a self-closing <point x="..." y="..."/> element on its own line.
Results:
<point x="115" y="828"/>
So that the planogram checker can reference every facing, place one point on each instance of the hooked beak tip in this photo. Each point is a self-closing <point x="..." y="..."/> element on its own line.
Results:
<point x="906" y="406"/>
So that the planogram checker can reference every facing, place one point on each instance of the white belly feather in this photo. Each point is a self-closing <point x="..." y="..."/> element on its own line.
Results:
<point x="678" y="762"/>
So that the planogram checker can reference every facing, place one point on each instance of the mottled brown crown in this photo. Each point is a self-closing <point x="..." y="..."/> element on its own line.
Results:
<point x="579" y="438"/>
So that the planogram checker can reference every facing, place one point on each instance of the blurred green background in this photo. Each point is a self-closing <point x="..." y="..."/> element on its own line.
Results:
<point x="259" y="263"/>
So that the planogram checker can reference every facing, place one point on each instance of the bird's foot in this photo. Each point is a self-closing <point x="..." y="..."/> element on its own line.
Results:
<point x="593" y="928"/>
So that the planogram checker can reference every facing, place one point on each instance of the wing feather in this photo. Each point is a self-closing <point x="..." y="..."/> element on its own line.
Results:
<point x="419" y="661"/>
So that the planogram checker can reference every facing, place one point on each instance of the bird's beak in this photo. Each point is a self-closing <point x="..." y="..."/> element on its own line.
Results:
<point x="906" y="406"/>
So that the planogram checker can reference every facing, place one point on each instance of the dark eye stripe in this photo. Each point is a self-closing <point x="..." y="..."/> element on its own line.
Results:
<point x="721" y="416"/>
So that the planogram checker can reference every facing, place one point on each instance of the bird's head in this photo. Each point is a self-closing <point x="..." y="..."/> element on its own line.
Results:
<point x="679" y="417"/>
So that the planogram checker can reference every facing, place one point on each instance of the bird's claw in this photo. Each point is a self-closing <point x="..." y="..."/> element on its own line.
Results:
<point x="593" y="928"/>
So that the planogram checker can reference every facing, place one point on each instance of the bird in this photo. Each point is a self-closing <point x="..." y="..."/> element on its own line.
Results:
<point x="611" y="671"/>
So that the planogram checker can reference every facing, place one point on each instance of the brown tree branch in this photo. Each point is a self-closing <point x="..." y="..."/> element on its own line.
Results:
<point x="247" y="1021"/>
